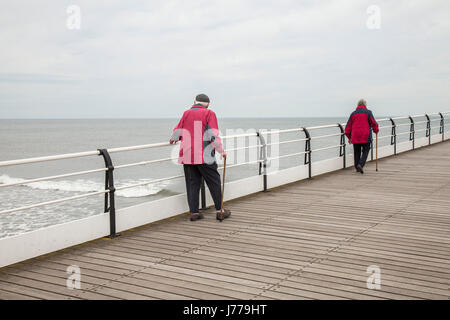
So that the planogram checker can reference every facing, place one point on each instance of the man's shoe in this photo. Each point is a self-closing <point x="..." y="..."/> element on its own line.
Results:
<point x="225" y="213"/>
<point x="196" y="216"/>
<point x="360" y="169"/>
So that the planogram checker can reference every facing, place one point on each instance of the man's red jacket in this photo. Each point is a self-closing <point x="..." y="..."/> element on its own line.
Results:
<point x="360" y="125"/>
<point x="199" y="135"/>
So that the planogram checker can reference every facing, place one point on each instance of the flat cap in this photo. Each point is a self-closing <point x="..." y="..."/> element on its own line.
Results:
<point x="202" y="98"/>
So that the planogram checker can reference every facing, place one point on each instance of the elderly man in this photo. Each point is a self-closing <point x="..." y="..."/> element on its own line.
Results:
<point x="359" y="132"/>
<point x="199" y="135"/>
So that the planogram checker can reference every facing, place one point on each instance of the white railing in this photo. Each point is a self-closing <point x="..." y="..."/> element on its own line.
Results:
<point x="262" y="145"/>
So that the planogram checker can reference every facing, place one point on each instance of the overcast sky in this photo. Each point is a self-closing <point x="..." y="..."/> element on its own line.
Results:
<point x="144" y="59"/>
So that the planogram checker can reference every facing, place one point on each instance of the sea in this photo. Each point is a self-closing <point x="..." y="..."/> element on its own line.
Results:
<point x="21" y="139"/>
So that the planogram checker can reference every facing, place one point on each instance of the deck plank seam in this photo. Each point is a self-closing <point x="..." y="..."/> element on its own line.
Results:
<point x="132" y="272"/>
<point x="308" y="263"/>
<point x="164" y="260"/>
<point x="349" y="240"/>
<point x="342" y="243"/>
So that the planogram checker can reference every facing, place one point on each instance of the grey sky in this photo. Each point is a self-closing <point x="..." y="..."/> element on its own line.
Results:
<point x="142" y="59"/>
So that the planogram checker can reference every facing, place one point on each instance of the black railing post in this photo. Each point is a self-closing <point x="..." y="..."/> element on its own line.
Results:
<point x="308" y="151"/>
<point x="263" y="163"/>
<point x="393" y="135"/>
<point x="109" y="185"/>
<point x="342" y="152"/>
<point x="441" y="127"/>
<point x="203" y="194"/>
<point x="412" y="132"/>
<point x="428" y="130"/>
<point x="260" y="156"/>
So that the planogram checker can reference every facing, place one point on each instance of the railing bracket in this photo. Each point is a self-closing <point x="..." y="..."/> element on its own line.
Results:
<point x="263" y="160"/>
<point x="109" y="185"/>
<point x="308" y="152"/>
<point x="342" y="152"/>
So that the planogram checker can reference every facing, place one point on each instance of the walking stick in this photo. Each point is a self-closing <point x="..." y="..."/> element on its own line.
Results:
<point x="377" y="152"/>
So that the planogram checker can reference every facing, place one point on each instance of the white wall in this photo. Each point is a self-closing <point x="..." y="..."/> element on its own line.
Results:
<point x="35" y="243"/>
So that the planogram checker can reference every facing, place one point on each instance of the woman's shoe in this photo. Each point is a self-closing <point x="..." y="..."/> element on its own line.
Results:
<point x="360" y="169"/>
<point x="196" y="216"/>
<point x="225" y="213"/>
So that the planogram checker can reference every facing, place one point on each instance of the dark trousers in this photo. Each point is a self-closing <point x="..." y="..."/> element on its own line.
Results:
<point x="193" y="174"/>
<point x="360" y="158"/>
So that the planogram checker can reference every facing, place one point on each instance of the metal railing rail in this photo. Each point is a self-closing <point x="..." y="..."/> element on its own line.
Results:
<point x="262" y="160"/>
<point x="54" y="201"/>
<point x="52" y="177"/>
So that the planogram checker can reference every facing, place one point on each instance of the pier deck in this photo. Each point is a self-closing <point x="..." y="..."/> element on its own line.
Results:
<point x="313" y="239"/>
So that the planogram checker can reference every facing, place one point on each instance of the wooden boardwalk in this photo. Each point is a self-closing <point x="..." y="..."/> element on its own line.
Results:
<point x="312" y="239"/>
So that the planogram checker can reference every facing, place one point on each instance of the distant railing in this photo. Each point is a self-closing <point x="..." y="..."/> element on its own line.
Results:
<point x="262" y="160"/>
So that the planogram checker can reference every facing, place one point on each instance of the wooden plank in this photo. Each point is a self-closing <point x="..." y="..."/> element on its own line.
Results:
<point x="199" y="290"/>
<point x="349" y="285"/>
<point x="49" y="283"/>
<point x="212" y="284"/>
<point x="8" y="295"/>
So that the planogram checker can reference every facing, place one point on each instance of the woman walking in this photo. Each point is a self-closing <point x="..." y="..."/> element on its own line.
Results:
<point x="359" y="133"/>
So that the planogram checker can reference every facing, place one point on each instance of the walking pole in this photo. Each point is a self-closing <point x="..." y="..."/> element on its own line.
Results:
<point x="223" y="188"/>
<point x="377" y="152"/>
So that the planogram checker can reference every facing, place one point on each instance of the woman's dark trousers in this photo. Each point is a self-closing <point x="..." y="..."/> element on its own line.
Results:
<point x="360" y="152"/>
